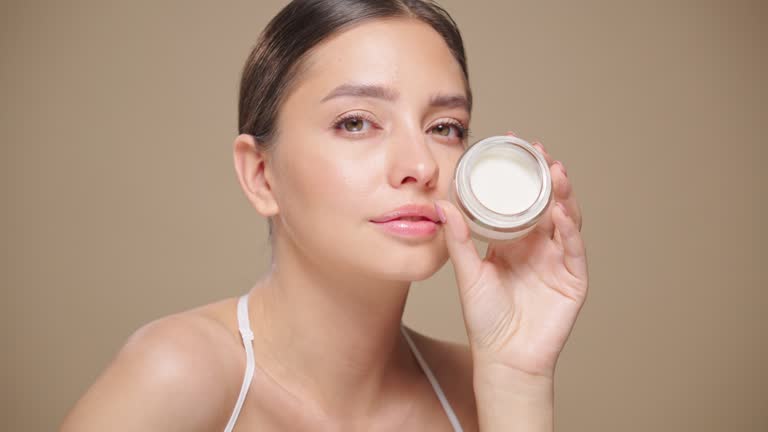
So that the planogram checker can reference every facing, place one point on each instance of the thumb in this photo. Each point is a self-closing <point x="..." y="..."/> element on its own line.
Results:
<point x="464" y="256"/>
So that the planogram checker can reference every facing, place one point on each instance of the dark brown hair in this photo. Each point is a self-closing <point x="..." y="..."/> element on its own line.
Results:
<point x="276" y="60"/>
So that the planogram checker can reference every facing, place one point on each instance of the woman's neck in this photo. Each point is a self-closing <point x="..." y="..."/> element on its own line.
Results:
<point x="329" y="339"/>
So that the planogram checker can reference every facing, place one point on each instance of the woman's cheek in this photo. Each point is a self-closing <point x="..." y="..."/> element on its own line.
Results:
<point x="324" y="182"/>
<point x="351" y="187"/>
<point x="447" y="161"/>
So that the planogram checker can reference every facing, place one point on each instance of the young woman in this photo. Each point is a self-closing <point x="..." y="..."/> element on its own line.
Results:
<point x="353" y="112"/>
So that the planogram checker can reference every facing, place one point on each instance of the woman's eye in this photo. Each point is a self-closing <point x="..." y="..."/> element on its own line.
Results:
<point x="445" y="130"/>
<point x="353" y="125"/>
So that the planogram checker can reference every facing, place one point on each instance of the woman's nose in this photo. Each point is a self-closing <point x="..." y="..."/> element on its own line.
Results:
<point x="411" y="160"/>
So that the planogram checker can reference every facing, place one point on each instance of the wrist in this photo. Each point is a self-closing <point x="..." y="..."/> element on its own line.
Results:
<point x="510" y="399"/>
<point x="499" y="379"/>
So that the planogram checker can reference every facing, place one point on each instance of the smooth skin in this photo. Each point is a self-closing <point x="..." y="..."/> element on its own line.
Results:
<point x="326" y="317"/>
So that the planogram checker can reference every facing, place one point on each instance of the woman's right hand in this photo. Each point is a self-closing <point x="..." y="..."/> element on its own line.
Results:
<point x="521" y="301"/>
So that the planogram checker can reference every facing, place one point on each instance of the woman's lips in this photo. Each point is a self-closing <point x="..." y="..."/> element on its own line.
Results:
<point x="409" y="227"/>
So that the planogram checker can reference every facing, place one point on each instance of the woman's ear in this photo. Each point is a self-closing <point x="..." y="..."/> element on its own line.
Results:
<point x="251" y="165"/>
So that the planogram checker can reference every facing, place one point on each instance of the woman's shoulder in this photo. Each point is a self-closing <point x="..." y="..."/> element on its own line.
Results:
<point x="451" y="362"/>
<point x="178" y="372"/>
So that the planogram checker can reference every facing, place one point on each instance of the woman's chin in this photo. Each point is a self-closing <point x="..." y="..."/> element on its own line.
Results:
<point x="413" y="266"/>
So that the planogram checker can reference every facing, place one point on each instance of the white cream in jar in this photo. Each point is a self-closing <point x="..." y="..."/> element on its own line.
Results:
<point x="503" y="186"/>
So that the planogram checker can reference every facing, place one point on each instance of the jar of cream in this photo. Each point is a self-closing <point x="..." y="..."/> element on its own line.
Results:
<point x="503" y="186"/>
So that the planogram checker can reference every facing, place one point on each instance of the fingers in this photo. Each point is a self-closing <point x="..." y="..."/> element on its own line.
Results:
<point x="539" y="147"/>
<point x="562" y="188"/>
<point x="464" y="256"/>
<point x="575" y="258"/>
<point x="546" y="224"/>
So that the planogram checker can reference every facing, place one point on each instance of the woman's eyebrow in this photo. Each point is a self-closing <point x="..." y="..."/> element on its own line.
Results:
<point x="389" y="94"/>
<point x="449" y="101"/>
<point x="362" y="90"/>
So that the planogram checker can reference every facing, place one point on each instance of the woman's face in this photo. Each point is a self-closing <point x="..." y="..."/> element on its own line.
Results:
<point x="344" y="156"/>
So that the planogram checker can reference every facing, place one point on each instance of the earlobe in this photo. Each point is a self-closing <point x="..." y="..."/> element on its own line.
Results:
<point x="252" y="169"/>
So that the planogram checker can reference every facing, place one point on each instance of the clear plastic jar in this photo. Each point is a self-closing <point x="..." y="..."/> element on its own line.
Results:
<point x="503" y="186"/>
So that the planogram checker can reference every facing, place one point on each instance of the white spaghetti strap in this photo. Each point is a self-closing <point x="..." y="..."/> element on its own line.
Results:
<point x="435" y="385"/>
<point x="244" y="326"/>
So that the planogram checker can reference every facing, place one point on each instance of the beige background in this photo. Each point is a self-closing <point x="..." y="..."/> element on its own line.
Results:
<point x="120" y="203"/>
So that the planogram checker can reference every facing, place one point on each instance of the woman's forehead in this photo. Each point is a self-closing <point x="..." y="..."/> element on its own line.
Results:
<point x="403" y="54"/>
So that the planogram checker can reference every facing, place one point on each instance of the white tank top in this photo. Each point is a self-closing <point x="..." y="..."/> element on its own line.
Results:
<point x="245" y="331"/>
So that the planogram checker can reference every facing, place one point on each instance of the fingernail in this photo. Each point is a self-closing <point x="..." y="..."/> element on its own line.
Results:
<point x="540" y="145"/>
<point x="512" y="133"/>
<point x="562" y="207"/>
<point x="440" y="213"/>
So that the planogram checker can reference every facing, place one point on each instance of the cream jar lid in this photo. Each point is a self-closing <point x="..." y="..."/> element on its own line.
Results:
<point x="503" y="184"/>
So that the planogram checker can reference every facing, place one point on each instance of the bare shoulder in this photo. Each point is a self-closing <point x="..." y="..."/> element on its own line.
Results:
<point x="178" y="372"/>
<point x="451" y="363"/>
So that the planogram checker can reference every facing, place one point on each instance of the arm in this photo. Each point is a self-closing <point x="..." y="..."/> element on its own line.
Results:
<point x="513" y="401"/>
